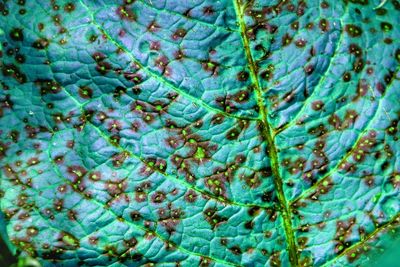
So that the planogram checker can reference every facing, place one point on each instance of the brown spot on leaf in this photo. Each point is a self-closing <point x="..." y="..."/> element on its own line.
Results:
<point x="41" y="43"/>
<point x="179" y="34"/>
<point x="232" y="134"/>
<point x="208" y="10"/>
<point x="317" y="105"/>
<point x="17" y="34"/>
<point x="309" y="69"/>
<point x="243" y="76"/>
<point x="353" y="30"/>
<point x="69" y="7"/>
<point x="324" y="25"/>
<point x="126" y="13"/>
<point x="158" y="197"/>
<point x="85" y="92"/>
<point x="286" y="39"/>
<point x="300" y="43"/>
<point x="153" y="26"/>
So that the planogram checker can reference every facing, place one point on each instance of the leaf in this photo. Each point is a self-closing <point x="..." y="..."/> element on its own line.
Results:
<point x="200" y="133"/>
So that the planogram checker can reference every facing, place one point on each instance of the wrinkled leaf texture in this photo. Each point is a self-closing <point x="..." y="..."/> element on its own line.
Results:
<point x="200" y="132"/>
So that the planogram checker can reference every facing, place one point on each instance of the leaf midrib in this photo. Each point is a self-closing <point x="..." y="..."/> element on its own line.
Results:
<point x="266" y="133"/>
<point x="266" y="130"/>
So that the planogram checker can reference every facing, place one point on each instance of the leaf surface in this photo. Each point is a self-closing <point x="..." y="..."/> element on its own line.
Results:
<point x="200" y="133"/>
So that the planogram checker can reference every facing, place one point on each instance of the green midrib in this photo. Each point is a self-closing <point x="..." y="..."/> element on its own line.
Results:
<point x="267" y="135"/>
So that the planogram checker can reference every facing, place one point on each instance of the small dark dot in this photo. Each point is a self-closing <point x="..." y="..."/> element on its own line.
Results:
<point x="309" y="69"/>
<point x="232" y="134"/>
<point x="388" y="40"/>
<point x="241" y="96"/>
<point x="346" y="76"/>
<point x="153" y="26"/>
<point x="133" y="77"/>
<point x="317" y="105"/>
<point x="208" y="10"/>
<point x="92" y="38"/>
<point x="381" y="11"/>
<point x="300" y="43"/>
<point x="268" y="74"/>
<point x="217" y="119"/>
<point x="41" y="43"/>
<point x="386" y="27"/>
<point x="358" y="65"/>
<point x="179" y="55"/>
<point x="388" y="77"/>
<point x="126" y="13"/>
<point x="310" y="26"/>
<point x="353" y="30"/>
<point x="136" y="90"/>
<point x="291" y="7"/>
<point x="243" y="76"/>
<point x="286" y="40"/>
<point x="85" y="92"/>
<point x="253" y="211"/>
<point x="136" y="216"/>
<point x="97" y="56"/>
<point x="136" y="256"/>
<point x="103" y="67"/>
<point x="69" y="7"/>
<point x="324" y="25"/>
<point x="355" y="50"/>
<point x="187" y="13"/>
<point x="16" y="34"/>
<point x="324" y="5"/>
<point x="385" y="165"/>
<point x="158" y="197"/>
<point x="179" y="33"/>
<point x="236" y="250"/>
<point x="266" y="197"/>
<point x="249" y="225"/>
